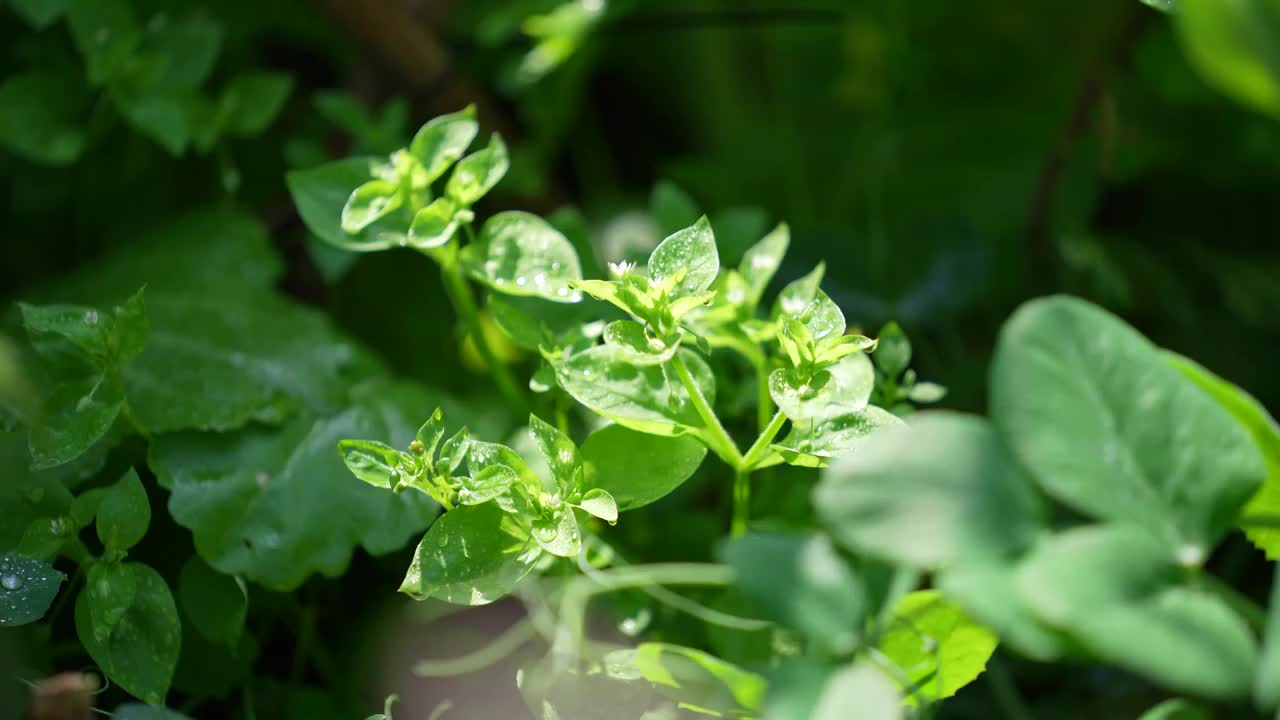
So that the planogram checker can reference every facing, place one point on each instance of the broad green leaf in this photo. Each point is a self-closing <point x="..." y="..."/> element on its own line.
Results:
<point x="936" y="645"/>
<point x="818" y="443"/>
<point x="73" y="336"/>
<point x="472" y="555"/>
<point x="142" y="651"/>
<point x="138" y="711"/>
<point x="166" y="119"/>
<point x="647" y="398"/>
<point x="762" y="260"/>
<point x="988" y="592"/>
<point x="691" y="677"/>
<point x="40" y="13"/>
<point x="1176" y="709"/>
<point x="443" y="139"/>
<point x="1265" y="433"/>
<point x="492" y="482"/>
<point x="558" y="450"/>
<point x="27" y="588"/>
<point x="1236" y="46"/>
<point x="111" y="588"/>
<point x="941" y="491"/>
<point x="519" y="253"/>
<point x="637" y="468"/>
<point x="373" y="462"/>
<point x="434" y="225"/>
<point x="599" y="503"/>
<point x="476" y="174"/>
<point x="1113" y="590"/>
<point x="1107" y="426"/>
<point x="42" y="116"/>
<point x="321" y="194"/>
<point x="27" y="495"/>
<point x="862" y="686"/>
<point x="893" y="350"/>
<point x="1266" y="689"/>
<point x="842" y="388"/>
<point x="261" y="501"/>
<point x="671" y="207"/>
<point x="214" y="603"/>
<point x="106" y="34"/>
<point x="124" y="514"/>
<point x="802" y="582"/>
<point x="557" y="533"/>
<point x="690" y="252"/>
<point x="77" y="415"/>
<point x="370" y="202"/>
<point x="253" y="99"/>
<point x="634" y="345"/>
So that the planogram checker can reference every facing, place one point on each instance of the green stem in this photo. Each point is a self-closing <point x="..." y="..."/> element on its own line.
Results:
<point x="716" y="436"/>
<point x="460" y="295"/>
<point x="757" y="450"/>
<point x="741" y="503"/>
<point x="764" y="401"/>
<point x="501" y="648"/>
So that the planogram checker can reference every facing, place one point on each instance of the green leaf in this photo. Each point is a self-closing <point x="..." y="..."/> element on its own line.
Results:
<point x="472" y="555"/>
<point x="166" y="119"/>
<point x="141" y="653"/>
<point x="253" y="99"/>
<point x="794" y="689"/>
<point x="638" y="468"/>
<point x="442" y="141"/>
<point x="936" y="645"/>
<point x="691" y="677"/>
<point x="42" y="116"/>
<point x="818" y="443"/>
<point x="1266" y="435"/>
<point x="799" y="294"/>
<point x="321" y="194"/>
<point x="557" y="533"/>
<point x="802" y="582"/>
<point x="27" y="588"/>
<point x="71" y="335"/>
<point x="671" y="207"/>
<point x="519" y="253"/>
<point x="647" y="398"/>
<point x="691" y="251"/>
<point x="558" y="450"/>
<point x="1266" y="689"/>
<point x="27" y="496"/>
<point x="373" y="462"/>
<point x="893" y="351"/>
<point x="260" y="501"/>
<point x="762" y="260"/>
<point x="1107" y="426"/>
<point x="487" y="484"/>
<point x="124" y="514"/>
<point x="1113" y="589"/>
<point x="1176" y="709"/>
<point x="1236" y="46"/>
<point x="476" y="174"/>
<point x="434" y="225"/>
<point x="941" y="491"/>
<point x="633" y="344"/>
<point x="599" y="503"/>
<point x="370" y="202"/>
<point x="988" y="591"/>
<point x="111" y="588"/>
<point x="106" y="34"/>
<point x="40" y="13"/>
<point x="841" y="389"/>
<point x="138" y="711"/>
<point x="863" y="686"/>
<point x="77" y="415"/>
<point x="216" y="604"/>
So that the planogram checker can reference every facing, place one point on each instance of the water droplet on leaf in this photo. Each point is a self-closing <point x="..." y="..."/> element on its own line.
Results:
<point x="91" y="317"/>
<point x="11" y="582"/>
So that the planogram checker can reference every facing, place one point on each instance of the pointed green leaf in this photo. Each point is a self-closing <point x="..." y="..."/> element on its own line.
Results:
<point x="77" y="415"/>
<point x="940" y="491"/>
<point x="557" y="532"/>
<point x="106" y="34"/>
<point x="369" y="203"/>
<point x="893" y="350"/>
<point x="373" y="462"/>
<point x="111" y="588"/>
<point x="691" y="251"/>
<point x="519" y="253"/>
<point x="124" y="514"/>
<point x="1234" y="45"/>
<point x="440" y="142"/>
<point x="477" y="174"/>
<point x="216" y="604"/>
<point x="937" y="646"/>
<point x="599" y="503"/>
<point x="41" y="116"/>
<point x="637" y="468"/>
<point x="798" y="294"/>
<point x="560" y="452"/>
<point x="471" y="556"/>
<point x="27" y="589"/>
<point x="321" y="195"/>
<point x="762" y="260"/>
<point x="434" y="225"/>
<point x="692" y="677"/>
<point x="1109" y="427"/>
<point x="491" y="482"/>
<point x="253" y="99"/>
<point x="141" y="653"/>
<point x="671" y="207"/>
<point x="634" y="345"/>
<point x="818" y="443"/>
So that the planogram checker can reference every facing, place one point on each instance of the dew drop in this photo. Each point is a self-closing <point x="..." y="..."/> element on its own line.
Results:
<point x="636" y="624"/>
<point x="262" y="479"/>
<point x="540" y="279"/>
<point x="562" y="291"/>
<point x="11" y="582"/>
<point x="555" y="266"/>
<point x="522" y="281"/>
<point x="544" y="533"/>
<point x="91" y="317"/>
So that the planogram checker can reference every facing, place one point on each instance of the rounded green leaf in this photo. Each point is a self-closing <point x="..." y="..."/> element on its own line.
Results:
<point x="472" y="555"/>
<point x="373" y="462"/>
<point x="368" y="203"/>
<point x="842" y="388"/>
<point x="476" y="174"/>
<point x="691" y="251"/>
<point x="1109" y="427"/>
<point x="936" y="645"/>
<point x="141" y="653"/>
<point x="216" y="604"/>
<point x="802" y="582"/>
<point x="519" y="253"/>
<point x="1235" y="44"/>
<point x="111" y="588"/>
<point x="648" y="398"/>
<point x="321" y="196"/>
<point x="939" y="491"/>
<point x="124" y="514"/>
<point x="817" y="443"/>
<point x="893" y="350"/>
<point x="634" y="345"/>
<point x="440" y="142"/>
<point x="638" y="468"/>
<point x="40" y="116"/>
<point x="558" y="450"/>
<point x="434" y="225"/>
<point x="599" y="503"/>
<point x="27" y="588"/>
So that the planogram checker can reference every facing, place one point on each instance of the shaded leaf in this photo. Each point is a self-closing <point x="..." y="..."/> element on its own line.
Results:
<point x="519" y="253"/>
<point x="27" y="589"/>
<point x="141" y="653"/>
<point x="937" y="646"/>
<point x="124" y="514"/>
<point x="216" y="604"/>
<point x="472" y="555"/>
<point x="637" y="468"/>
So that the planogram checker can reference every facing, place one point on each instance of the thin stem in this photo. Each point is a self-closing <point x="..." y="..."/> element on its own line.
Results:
<point x="761" y="445"/>
<point x="741" y="503"/>
<point x="764" y="401"/>
<point x="501" y="648"/>
<point x="460" y="295"/>
<point x="716" y="436"/>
